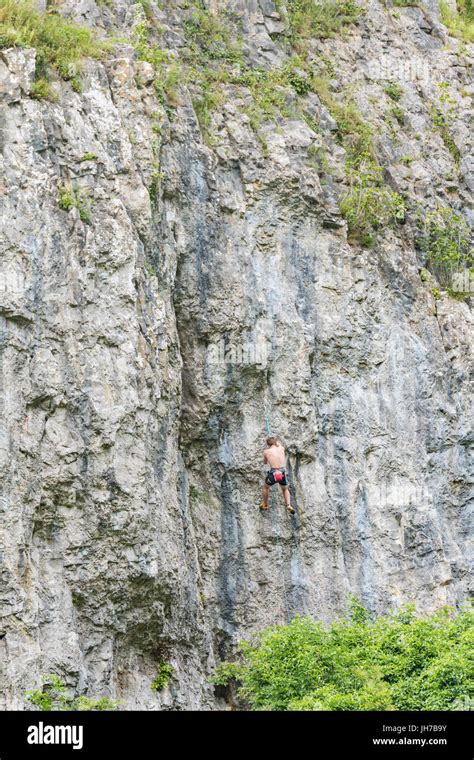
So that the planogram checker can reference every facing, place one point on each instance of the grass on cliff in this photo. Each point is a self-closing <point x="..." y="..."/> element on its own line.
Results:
<point x="460" y="22"/>
<point x="396" y="662"/>
<point x="368" y="204"/>
<point x="443" y="114"/>
<point x="60" y="45"/>
<point x="322" y="19"/>
<point x="214" y="56"/>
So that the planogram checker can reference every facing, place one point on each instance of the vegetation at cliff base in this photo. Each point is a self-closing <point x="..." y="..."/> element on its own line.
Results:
<point x="54" y="696"/>
<point x="400" y="661"/>
<point x="60" y="45"/>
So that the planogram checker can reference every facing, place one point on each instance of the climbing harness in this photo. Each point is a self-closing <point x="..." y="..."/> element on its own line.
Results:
<point x="276" y="475"/>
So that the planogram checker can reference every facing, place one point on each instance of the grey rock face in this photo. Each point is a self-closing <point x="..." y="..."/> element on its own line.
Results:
<point x="145" y="341"/>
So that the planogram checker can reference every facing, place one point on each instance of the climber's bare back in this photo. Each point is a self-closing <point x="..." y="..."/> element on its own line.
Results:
<point x="275" y="456"/>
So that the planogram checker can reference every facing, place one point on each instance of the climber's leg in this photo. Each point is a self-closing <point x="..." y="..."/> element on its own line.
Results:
<point x="287" y="497"/>
<point x="265" y="493"/>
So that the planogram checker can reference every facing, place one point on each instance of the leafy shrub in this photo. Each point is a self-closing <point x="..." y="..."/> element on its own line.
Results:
<point x="162" y="678"/>
<point x="396" y="662"/>
<point x="146" y="50"/>
<point x="446" y="242"/>
<point x="209" y="98"/>
<point x="368" y="204"/>
<point x="368" y="207"/>
<point x="394" y="91"/>
<point x="40" y="89"/>
<point x="55" y="696"/>
<point x="74" y="197"/>
<point x="353" y="130"/>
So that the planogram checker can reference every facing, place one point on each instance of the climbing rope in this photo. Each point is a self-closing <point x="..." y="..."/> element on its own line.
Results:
<point x="272" y="491"/>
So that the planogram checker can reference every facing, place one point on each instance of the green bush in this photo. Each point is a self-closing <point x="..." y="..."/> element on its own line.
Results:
<point x="396" y="662"/>
<point x="163" y="676"/>
<point x="353" y="130"/>
<point x="40" y="89"/>
<point x="394" y="91"/>
<point x="55" y="696"/>
<point x="368" y="206"/>
<point x="74" y="197"/>
<point x="59" y="44"/>
<point x="168" y="71"/>
<point x="446" y="242"/>
<point x="203" y="64"/>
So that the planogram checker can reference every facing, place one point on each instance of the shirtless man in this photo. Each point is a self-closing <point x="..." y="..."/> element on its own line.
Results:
<point x="274" y="456"/>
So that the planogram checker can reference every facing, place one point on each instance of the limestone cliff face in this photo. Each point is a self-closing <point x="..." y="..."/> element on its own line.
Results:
<point x="144" y="343"/>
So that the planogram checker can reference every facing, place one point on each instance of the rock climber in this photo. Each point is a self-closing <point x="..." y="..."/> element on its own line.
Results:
<point x="274" y="456"/>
